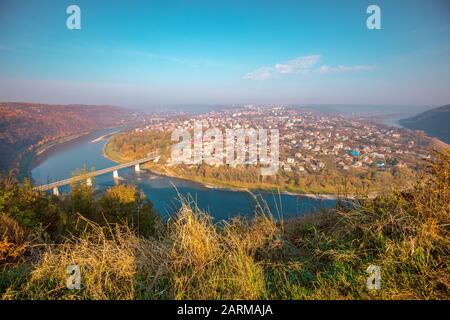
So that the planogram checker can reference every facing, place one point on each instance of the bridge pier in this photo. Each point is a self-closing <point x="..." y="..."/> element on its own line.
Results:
<point x="55" y="191"/>
<point x="137" y="168"/>
<point x="89" y="182"/>
<point x="115" y="174"/>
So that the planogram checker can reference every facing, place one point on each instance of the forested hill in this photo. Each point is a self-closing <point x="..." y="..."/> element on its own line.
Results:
<point x="435" y="122"/>
<point x="24" y="125"/>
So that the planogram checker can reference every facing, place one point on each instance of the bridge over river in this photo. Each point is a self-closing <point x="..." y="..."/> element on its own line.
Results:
<point x="87" y="177"/>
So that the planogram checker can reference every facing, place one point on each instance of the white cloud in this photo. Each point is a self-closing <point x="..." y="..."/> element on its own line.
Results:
<point x="343" y="68"/>
<point x="259" y="74"/>
<point x="297" y="65"/>
<point x="301" y="65"/>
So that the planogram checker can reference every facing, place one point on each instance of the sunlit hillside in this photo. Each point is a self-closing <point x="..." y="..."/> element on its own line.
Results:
<point x="24" y="126"/>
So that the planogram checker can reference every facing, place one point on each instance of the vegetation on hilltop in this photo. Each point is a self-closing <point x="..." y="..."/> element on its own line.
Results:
<point x="434" y="122"/>
<point x="321" y="256"/>
<point x="24" y="126"/>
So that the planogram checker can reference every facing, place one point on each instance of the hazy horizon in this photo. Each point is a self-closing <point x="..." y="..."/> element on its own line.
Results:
<point x="206" y="107"/>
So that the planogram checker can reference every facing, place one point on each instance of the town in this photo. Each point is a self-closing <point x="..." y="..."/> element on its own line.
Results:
<point x="311" y="140"/>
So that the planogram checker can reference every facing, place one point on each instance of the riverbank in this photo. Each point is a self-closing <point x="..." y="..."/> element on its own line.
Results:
<point x="253" y="188"/>
<point x="28" y="161"/>
<point x="110" y="153"/>
<point x="104" y="137"/>
<point x="33" y="157"/>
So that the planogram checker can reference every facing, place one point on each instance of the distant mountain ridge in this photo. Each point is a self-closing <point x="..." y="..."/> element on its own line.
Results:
<point x="25" y="125"/>
<point x="435" y="122"/>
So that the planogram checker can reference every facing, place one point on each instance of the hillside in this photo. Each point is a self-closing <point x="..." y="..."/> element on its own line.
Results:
<point x="434" y="122"/>
<point x="25" y="125"/>
<point x="125" y="251"/>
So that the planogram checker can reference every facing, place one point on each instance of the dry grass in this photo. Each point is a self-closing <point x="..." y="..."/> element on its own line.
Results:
<point x="218" y="262"/>
<point x="114" y="263"/>
<point x="317" y="257"/>
<point x="196" y="260"/>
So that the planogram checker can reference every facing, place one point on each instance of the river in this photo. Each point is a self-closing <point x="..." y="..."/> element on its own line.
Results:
<point x="60" y="161"/>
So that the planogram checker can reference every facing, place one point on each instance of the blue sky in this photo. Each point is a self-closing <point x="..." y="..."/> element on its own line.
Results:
<point x="148" y="53"/>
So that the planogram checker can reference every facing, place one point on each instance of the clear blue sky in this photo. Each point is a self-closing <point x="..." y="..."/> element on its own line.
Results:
<point x="146" y="53"/>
